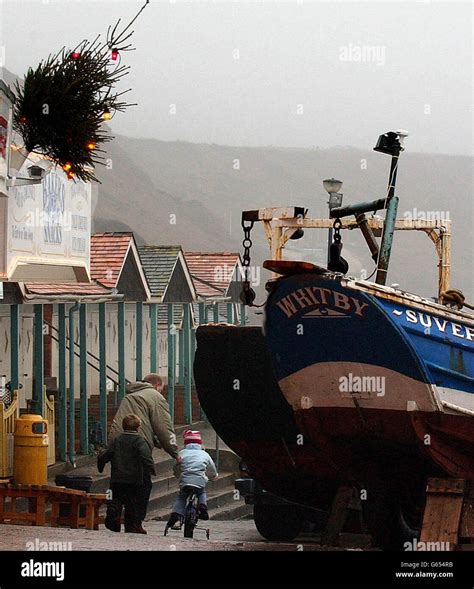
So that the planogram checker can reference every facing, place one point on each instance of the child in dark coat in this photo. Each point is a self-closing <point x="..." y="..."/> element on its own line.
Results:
<point x="130" y="458"/>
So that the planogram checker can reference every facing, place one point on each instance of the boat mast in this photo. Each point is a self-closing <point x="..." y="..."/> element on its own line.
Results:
<point x="390" y="143"/>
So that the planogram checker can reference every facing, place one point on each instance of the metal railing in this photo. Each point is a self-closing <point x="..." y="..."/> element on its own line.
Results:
<point x="89" y="354"/>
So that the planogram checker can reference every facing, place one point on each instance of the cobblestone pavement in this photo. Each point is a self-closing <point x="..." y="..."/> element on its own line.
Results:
<point x="224" y="535"/>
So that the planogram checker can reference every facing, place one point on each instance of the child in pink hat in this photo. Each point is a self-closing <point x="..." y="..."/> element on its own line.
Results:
<point x="195" y="469"/>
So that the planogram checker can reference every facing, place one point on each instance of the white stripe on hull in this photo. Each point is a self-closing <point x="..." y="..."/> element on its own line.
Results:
<point x="456" y="401"/>
<point x="320" y="385"/>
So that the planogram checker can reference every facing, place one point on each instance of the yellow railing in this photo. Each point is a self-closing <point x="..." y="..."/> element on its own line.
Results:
<point x="7" y="427"/>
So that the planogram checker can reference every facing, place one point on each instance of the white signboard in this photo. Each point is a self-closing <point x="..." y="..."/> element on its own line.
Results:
<point x="48" y="233"/>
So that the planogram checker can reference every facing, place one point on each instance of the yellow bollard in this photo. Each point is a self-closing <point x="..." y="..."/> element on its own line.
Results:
<point x="30" y="455"/>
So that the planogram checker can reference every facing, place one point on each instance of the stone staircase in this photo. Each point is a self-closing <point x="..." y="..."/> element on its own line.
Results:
<point x="222" y="501"/>
<point x="221" y="496"/>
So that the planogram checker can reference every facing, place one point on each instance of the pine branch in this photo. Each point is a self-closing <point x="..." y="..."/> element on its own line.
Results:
<point x="60" y="106"/>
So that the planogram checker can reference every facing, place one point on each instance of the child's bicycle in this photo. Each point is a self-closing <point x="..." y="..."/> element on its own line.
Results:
<point x="191" y="515"/>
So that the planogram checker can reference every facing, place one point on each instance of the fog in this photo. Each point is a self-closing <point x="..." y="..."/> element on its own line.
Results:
<point x="292" y="74"/>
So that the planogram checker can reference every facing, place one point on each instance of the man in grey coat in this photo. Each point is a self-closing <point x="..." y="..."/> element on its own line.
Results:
<point x="144" y="399"/>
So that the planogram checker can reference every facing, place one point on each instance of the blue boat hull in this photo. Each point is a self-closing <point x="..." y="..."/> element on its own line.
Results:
<point x="381" y="381"/>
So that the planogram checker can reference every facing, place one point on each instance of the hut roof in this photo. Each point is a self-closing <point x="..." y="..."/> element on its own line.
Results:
<point x="212" y="272"/>
<point x="167" y="273"/>
<point x="111" y="254"/>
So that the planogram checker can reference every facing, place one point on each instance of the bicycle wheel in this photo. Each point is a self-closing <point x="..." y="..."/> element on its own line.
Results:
<point x="189" y="521"/>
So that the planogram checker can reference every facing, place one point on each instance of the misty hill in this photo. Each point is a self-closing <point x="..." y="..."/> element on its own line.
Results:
<point x="207" y="187"/>
<point x="130" y="199"/>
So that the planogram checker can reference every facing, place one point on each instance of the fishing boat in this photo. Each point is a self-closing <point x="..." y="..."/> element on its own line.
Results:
<point x="377" y="382"/>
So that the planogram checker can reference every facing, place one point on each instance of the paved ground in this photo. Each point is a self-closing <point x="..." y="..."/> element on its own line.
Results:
<point x="235" y="535"/>
<point x="225" y="535"/>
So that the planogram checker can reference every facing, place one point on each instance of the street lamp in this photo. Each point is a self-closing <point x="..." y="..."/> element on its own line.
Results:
<point x="332" y="187"/>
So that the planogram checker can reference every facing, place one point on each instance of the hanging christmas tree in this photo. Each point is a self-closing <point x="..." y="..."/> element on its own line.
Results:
<point x="61" y="106"/>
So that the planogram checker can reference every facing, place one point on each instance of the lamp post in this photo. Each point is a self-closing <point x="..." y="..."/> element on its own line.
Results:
<point x="332" y="187"/>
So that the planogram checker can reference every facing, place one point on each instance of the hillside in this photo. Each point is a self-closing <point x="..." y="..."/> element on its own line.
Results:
<point x="129" y="199"/>
<point x="209" y="193"/>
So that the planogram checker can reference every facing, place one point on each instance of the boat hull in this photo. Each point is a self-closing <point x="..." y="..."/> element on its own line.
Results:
<point x="240" y="396"/>
<point x="362" y="386"/>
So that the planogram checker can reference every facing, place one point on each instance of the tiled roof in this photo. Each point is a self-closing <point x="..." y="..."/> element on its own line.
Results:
<point x="211" y="271"/>
<point x="66" y="288"/>
<point x="108" y="252"/>
<point x="158" y="262"/>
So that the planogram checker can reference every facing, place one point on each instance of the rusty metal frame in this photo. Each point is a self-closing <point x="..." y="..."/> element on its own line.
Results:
<point x="278" y="231"/>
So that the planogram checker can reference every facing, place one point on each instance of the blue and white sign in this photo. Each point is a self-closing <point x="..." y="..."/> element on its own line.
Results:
<point x="48" y="233"/>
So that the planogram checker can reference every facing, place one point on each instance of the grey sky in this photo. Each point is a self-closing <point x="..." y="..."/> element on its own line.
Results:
<point x="298" y="73"/>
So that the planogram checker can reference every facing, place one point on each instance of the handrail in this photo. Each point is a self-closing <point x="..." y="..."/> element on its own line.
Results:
<point x="78" y="346"/>
<point x="96" y="368"/>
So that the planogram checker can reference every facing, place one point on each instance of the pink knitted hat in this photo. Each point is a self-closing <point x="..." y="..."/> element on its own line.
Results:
<point x="192" y="437"/>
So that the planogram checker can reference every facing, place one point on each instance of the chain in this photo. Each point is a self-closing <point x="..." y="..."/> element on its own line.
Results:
<point x="336" y="262"/>
<point x="248" y="295"/>
<point x="337" y="230"/>
<point x="247" y="244"/>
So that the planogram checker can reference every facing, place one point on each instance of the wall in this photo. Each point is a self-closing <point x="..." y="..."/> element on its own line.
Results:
<point x="26" y="350"/>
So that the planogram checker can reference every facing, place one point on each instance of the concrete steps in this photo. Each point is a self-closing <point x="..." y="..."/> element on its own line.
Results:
<point x="221" y="499"/>
<point x="220" y="493"/>
<point x="222" y="488"/>
<point x="101" y="482"/>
